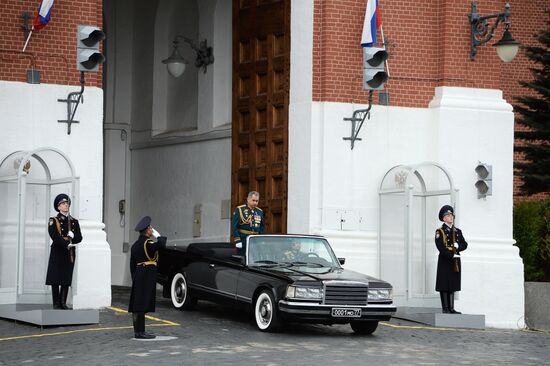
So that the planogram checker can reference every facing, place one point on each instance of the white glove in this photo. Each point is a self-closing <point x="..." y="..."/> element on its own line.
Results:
<point x="456" y="245"/>
<point x="71" y="246"/>
<point x="456" y="256"/>
<point x="70" y="234"/>
<point x="155" y="233"/>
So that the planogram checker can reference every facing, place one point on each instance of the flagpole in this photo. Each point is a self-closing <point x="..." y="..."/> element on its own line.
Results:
<point x="27" y="41"/>
<point x="385" y="48"/>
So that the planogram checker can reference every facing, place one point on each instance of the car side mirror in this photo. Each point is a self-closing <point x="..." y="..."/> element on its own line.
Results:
<point x="342" y="260"/>
<point x="238" y="258"/>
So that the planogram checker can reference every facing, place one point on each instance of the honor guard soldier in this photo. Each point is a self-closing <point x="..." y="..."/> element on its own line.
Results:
<point x="65" y="233"/>
<point x="450" y="242"/>
<point x="247" y="220"/>
<point x="143" y="267"/>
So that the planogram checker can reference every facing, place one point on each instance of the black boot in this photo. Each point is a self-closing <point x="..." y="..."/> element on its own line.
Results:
<point x="444" y="302"/>
<point x="56" y="298"/>
<point x="452" y="303"/>
<point x="137" y="328"/>
<point x="146" y="335"/>
<point x="63" y="297"/>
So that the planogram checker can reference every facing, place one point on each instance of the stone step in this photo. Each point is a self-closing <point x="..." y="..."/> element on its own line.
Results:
<point x="434" y="317"/>
<point x="44" y="314"/>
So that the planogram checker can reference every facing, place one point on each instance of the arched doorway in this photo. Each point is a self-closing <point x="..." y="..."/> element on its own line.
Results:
<point x="28" y="181"/>
<point x="261" y="84"/>
<point x="409" y="200"/>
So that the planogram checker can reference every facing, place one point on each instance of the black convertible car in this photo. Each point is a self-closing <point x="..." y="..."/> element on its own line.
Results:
<point x="281" y="278"/>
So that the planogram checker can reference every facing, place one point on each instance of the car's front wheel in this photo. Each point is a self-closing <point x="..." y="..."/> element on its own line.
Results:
<point x="265" y="312"/>
<point x="364" y="327"/>
<point x="179" y="293"/>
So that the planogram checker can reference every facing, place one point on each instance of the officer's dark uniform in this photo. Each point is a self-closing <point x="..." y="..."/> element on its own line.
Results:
<point x="143" y="267"/>
<point x="292" y="255"/>
<point x="61" y="262"/>
<point x="247" y="221"/>
<point x="448" y="267"/>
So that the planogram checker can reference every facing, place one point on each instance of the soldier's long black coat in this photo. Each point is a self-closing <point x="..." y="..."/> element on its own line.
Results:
<point x="144" y="278"/>
<point x="447" y="280"/>
<point x="60" y="267"/>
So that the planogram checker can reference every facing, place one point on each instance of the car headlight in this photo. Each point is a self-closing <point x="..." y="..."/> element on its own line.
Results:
<point x="380" y="294"/>
<point x="301" y="292"/>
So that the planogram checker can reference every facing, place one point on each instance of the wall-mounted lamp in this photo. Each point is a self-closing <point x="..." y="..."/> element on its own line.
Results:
<point x="482" y="32"/>
<point x="176" y="63"/>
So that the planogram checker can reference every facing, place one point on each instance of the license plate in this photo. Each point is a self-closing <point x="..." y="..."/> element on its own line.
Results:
<point x="346" y="313"/>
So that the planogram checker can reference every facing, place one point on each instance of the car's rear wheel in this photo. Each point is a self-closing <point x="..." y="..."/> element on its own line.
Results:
<point x="179" y="293"/>
<point x="364" y="327"/>
<point x="265" y="312"/>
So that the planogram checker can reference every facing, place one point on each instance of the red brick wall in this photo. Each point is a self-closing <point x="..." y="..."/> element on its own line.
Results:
<point x="52" y="49"/>
<point x="528" y="18"/>
<point x="429" y="47"/>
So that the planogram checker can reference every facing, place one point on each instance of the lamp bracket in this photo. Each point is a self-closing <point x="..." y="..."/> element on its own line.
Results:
<point x="205" y="54"/>
<point x="74" y="98"/>
<point x="357" y="119"/>
<point x="482" y="31"/>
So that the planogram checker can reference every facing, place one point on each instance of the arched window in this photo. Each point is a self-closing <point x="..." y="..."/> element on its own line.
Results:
<point x="409" y="200"/>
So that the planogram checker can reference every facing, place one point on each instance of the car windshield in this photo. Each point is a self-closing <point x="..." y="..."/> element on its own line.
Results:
<point x="290" y="251"/>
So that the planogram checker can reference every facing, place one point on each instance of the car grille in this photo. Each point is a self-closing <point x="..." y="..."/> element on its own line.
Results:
<point x="346" y="294"/>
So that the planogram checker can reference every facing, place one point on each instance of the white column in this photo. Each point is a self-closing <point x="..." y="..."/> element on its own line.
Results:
<point x="476" y="125"/>
<point x="91" y="287"/>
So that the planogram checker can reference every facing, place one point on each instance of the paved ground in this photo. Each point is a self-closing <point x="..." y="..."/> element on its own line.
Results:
<point x="213" y="335"/>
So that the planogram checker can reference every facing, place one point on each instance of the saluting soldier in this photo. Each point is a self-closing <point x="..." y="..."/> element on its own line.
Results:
<point x="450" y="242"/>
<point x="65" y="233"/>
<point x="143" y="267"/>
<point x="247" y="220"/>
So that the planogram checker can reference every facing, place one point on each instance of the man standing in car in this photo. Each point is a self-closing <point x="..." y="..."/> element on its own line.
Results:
<point x="450" y="242"/>
<point x="247" y="220"/>
<point x="143" y="267"/>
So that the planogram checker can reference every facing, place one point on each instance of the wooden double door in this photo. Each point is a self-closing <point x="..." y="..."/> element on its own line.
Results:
<point x="261" y="73"/>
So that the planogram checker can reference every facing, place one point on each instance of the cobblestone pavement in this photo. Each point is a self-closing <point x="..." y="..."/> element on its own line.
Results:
<point x="212" y="335"/>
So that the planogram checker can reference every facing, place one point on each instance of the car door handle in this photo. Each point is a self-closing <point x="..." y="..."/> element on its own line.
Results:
<point x="211" y="265"/>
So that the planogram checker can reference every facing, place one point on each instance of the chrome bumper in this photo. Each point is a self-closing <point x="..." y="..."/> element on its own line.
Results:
<point x="314" y="311"/>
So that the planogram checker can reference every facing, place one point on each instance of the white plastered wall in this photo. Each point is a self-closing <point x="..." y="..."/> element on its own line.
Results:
<point x="28" y="119"/>
<point x="168" y="182"/>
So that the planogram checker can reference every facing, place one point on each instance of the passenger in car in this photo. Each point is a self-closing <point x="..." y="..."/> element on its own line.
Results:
<point x="293" y="253"/>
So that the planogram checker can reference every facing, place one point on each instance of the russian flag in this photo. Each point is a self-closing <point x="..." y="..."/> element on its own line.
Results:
<point x="371" y="24"/>
<point x="43" y="16"/>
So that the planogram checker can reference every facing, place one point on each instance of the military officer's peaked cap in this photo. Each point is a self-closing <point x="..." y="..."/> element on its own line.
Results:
<point x="60" y="199"/>
<point x="143" y="224"/>
<point x="445" y="210"/>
